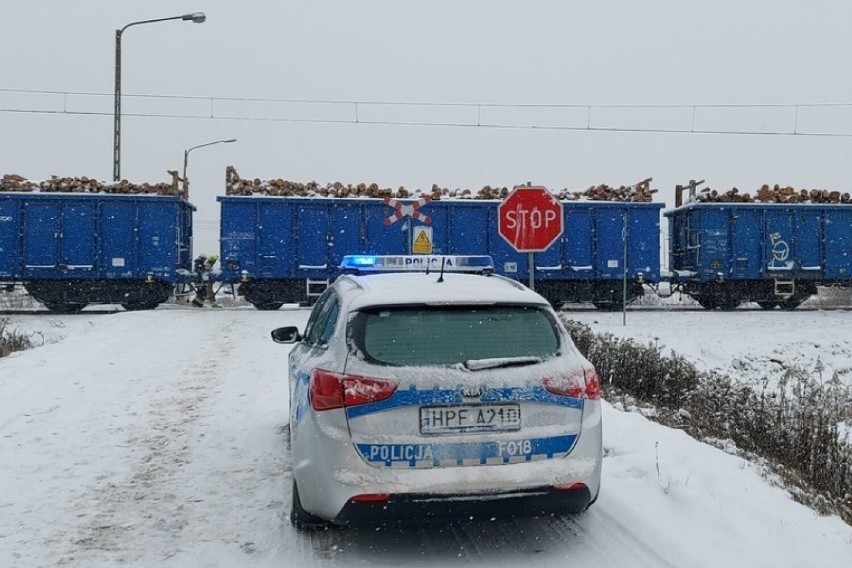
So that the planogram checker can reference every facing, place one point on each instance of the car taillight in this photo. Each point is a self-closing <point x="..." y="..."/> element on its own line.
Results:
<point x="326" y="390"/>
<point x="570" y="486"/>
<point x="335" y="390"/>
<point x="371" y="498"/>
<point x="583" y="384"/>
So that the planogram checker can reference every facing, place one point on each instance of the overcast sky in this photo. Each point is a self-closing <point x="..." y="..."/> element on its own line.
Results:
<point x="626" y="52"/>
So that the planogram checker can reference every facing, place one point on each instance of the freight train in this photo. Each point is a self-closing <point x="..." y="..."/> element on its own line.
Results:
<point x="285" y="250"/>
<point x="70" y="250"/>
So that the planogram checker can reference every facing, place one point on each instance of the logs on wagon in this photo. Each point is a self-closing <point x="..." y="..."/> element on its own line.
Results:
<point x="235" y="185"/>
<point x="773" y="194"/>
<point x="83" y="184"/>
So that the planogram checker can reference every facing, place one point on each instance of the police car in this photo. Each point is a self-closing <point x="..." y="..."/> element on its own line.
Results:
<point x="425" y="387"/>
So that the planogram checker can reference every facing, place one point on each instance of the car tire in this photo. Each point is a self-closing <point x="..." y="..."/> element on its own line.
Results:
<point x="301" y="519"/>
<point x="594" y="499"/>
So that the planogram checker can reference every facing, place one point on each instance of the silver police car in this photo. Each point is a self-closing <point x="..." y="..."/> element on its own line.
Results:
<point x="424" y="387"/>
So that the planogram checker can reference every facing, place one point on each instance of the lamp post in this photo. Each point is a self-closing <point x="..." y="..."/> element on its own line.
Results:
<point x="195" y="17"/>
<point x="186" y="159"/>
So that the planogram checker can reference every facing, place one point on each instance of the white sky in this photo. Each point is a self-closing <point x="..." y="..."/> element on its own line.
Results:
<point x="488" y="51"/>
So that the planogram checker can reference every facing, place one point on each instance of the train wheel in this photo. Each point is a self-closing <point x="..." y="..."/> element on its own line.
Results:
<point x="63" y="307"/>
<point x="608" y="297"/>
<point x="728" y="303"/>
<point x="791" y="303"/>
<point x="707" y="302"/>
<point x="267" y="306"/>
<point x="768" y="304"/>
<point x="138" y="306"/>
<point x="609" y="306"/>
<point x="552" y="300"/>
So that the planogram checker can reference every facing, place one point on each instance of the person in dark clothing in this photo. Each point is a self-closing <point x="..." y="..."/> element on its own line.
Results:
<point x="203" y="266"/>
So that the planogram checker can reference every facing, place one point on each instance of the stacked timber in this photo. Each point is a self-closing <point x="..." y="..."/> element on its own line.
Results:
<point x="83" y="184"/>
<point x="14" y="182"/>
<point x="235" y="185"/>
<point x="640" y="192"/>
<point x="773" y="194"/>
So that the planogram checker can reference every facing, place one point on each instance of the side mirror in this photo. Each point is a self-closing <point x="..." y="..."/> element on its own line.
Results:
<point x="289" y="334"/>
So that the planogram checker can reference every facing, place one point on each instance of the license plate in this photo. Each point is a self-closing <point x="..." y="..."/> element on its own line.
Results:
<point x="470" y="418"/>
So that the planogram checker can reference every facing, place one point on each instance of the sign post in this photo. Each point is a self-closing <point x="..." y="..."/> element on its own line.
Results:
<point x="530" y="219"/>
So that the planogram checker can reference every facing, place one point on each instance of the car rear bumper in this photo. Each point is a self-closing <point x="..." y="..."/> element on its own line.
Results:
<point x="328" y="480"/>
<point x="422" y="508"/>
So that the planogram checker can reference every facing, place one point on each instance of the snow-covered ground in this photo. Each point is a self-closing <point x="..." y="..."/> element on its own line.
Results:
<point x="750" y="345"/>
<point x="159" y="438"/>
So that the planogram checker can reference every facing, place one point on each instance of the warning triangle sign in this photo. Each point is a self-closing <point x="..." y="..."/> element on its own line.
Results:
<point x="422" y="241"/>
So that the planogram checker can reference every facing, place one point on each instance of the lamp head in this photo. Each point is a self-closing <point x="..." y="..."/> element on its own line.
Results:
<point x="196" y="17"/>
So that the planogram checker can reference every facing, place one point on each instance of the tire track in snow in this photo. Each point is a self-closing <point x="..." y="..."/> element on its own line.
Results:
<point x="598" y="541"/>
<point x="131" y="513"/>
<point x="606" y="541"/>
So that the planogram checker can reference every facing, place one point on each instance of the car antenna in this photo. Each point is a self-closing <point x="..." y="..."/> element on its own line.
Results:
<point x="441" y="277"/>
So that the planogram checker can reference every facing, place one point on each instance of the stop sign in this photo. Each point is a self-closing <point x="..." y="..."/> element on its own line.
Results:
<point x="530" y="219"/>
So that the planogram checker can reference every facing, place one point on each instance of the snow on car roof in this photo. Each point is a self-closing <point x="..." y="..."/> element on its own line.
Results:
<point x="419" y="288"/>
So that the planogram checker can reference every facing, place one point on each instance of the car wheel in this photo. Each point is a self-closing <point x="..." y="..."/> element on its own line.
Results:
<point x="594" y="499"/>
<point x="301" y="519"/>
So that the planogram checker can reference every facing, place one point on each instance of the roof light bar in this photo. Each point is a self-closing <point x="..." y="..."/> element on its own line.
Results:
<point x="417" y="263"/>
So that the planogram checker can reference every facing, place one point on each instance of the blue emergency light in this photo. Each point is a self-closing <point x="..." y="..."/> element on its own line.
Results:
<point x="360" y="261"/>
<point x="417" y="263"/>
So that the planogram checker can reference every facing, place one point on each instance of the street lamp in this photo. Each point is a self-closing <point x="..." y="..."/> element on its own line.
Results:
<point x="195" y="17"/>
<point x="186" y="157"/>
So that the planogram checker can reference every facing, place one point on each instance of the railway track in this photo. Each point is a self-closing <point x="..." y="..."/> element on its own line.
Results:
<point x="747" y="308"/>
<point x="44" y="312"/>
<point x="565" y="309"/>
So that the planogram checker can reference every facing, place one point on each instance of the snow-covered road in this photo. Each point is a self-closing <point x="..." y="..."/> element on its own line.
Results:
<point x="159" y="438"/>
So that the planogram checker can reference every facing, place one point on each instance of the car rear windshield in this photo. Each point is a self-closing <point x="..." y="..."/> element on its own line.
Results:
<point x="429" y="335"/>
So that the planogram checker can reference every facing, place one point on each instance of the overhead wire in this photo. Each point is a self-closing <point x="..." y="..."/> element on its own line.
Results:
<point x="358" y="119"/>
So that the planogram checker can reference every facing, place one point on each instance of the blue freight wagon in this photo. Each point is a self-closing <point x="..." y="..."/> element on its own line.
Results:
<point x="724" y="254"/>
<point x="287" y="249"/>
<point x="70" y="250"/>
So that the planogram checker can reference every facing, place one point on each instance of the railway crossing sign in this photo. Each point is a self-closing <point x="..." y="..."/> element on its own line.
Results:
<point x="401" y="210"/>
<point x="530" y="219"/>
<point x="422" y="244"/>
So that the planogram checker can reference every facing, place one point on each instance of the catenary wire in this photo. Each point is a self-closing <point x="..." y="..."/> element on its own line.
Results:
<point x="358" y="120"/>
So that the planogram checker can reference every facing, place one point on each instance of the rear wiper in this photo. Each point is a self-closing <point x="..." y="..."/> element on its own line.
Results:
<point x="498" y="362"/>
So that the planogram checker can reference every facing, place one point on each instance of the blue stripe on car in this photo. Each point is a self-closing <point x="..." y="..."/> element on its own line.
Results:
<point x="433" y="455"/>
<point x="302" y="402"/>
<point x="415" y="397"/>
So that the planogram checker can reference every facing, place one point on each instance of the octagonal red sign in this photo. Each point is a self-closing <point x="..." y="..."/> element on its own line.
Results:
<point x="530" y="219"/>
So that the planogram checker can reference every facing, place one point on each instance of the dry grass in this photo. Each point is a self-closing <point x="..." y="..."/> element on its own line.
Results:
<point x="11" y="341"/>
<point x="796" y="429"/>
